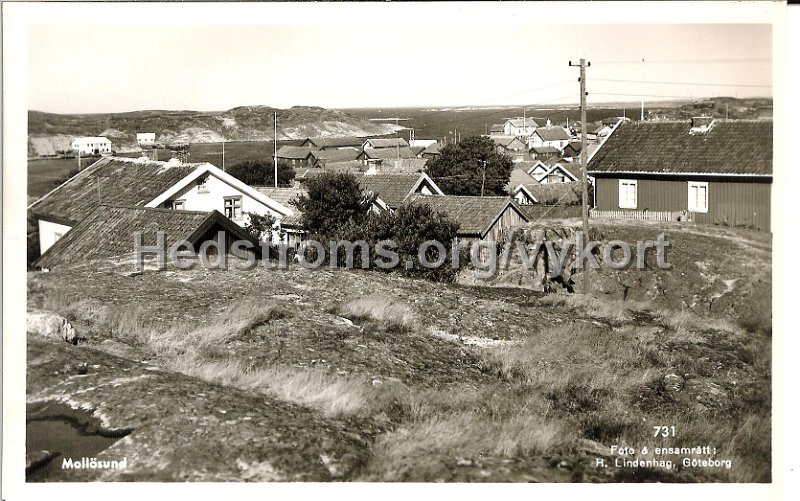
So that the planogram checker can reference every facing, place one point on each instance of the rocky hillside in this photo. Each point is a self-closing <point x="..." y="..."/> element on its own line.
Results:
<point x="317" y="375"/>
<point x="49" y="133"/>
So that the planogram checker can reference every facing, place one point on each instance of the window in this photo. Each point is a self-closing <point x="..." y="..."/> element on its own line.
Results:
<point x="178" y="205"/>
<point x="233" y="207"/>
<point x="627" y="194"/>
<point x="202" y="185"/>
<point x="698" y="197"/>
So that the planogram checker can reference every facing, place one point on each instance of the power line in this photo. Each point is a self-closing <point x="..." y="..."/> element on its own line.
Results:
<point x="690" y="61"/>
<point x="679" y="83"/>
<point x="646" y="95"/>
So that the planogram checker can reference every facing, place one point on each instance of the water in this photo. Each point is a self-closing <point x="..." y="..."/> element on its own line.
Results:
<point x="72" y="433"/>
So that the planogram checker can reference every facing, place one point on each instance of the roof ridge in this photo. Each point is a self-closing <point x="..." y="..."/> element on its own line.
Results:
<point x="156" y="209"/>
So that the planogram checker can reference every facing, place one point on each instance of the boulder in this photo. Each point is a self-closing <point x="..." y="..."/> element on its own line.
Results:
<point x="51" y="325"/>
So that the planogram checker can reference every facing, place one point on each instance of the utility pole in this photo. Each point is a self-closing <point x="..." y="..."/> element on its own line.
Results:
<point x="79" y="158"/>
<point x="483" y="181"/>
<point x="642" y="96"/>
<point x="585" y="177"/>
<point x="223" y="154"/>
<point x="275" y="145"/>
<point x="397" y="135"/>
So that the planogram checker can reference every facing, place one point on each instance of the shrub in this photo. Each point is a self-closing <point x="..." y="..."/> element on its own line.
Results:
<point x="333" y="200"/>
<point x="260" y="226"/>
<point x="261" y="173"/>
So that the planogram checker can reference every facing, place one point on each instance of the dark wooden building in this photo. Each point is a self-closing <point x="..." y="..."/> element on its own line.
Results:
<point x="717" y="173"/>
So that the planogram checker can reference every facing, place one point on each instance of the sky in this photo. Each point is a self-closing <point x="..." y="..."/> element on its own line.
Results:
<point x="108" y="67"/>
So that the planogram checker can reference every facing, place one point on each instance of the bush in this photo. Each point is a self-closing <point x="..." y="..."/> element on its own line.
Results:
<point x="260" y="226"/>
<point x="261" y="173"/>
<point x="334" y="199"/>
<point x="408" y="227"/>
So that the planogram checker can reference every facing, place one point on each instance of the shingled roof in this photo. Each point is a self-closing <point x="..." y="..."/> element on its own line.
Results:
<point x="553" y="133"/>
<point x="122" y="181"/>
<point x="108" y="231"/>
<point x="334" y="155"/>
<point x="293" y="152"/>
<point x="475" y="215"/>
<point x="519" y="176"/>
<point x="523" y="122"/>
<point x="556" y="193"/>
<point x="281" y="195"/>
<point x="395" y="189"/>
<point x="382" y="153"/>
<point x="392" y="142"/>
<point x="333" y="142"/>
<point x="740" y="147"/>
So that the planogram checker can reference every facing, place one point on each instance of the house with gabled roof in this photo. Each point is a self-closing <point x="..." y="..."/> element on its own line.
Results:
<point x="294" y="156"/>
<point x="544" y="152"/>
<point x="432" y="151"/>
<point x="520" y="126"/>
<point x="511" y="146"/>
<point x="714" y="173"/>
<point x="394" y="190"/>
<point x="377" y="143"/>
<point x="555" y="136"/>
<point x="572" y="149"/>
<point x="540" y="167"/>
<point x="333" y="143"/>
<point x="559" y="173"/>
<point x="107" y="232"/>
<point x="478" y="218"/>
<point x="145" y="183"/>
<point x="322" y="158"/>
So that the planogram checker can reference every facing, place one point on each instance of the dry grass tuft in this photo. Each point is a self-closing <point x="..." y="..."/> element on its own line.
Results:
<point x="464" y="434"/>
<point x="332" y="394"/>
<point x="389" y="313"/>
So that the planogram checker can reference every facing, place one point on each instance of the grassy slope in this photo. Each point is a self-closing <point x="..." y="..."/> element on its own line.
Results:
<point x="443" y="382"/>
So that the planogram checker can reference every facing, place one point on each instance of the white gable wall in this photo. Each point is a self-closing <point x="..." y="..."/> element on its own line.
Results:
<point x="50" y="232"/>
<point x="213" y="198"/>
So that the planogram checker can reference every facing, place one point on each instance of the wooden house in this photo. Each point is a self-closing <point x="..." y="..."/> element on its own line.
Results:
<point x="108" y="232"/>
<point x="479" y="218"/>
<point x="295" y="156"/>
<point x="554" y="136"/>
<point x="392" y="142"/>
<point x="143" y="183"/>
<point x="511" y="146"/>
<point x="333" y="143"/>
<point x="394" y="190"/>
<point x="719" y="173"/>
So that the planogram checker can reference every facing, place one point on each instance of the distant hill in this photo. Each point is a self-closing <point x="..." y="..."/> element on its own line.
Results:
<point x="50" y="132"/>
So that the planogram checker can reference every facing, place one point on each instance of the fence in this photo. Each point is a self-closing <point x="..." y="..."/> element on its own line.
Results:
<point x="639" y="215"/>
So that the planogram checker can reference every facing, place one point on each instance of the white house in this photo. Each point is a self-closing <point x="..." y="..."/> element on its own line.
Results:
<point x="144" y="183"/>
<point x="146" y="139"/>
<point x="553" y="136"/>
<point x="519" y="127"/>
<point x="91" y="145"/>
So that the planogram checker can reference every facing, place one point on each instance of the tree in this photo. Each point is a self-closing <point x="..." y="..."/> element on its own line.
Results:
<point x="459" y="170"/>
<point x="408" y="227"/>
<point x="260" y="226"/>
<point x="334" y="199"/>
<point x="261" y="173"/>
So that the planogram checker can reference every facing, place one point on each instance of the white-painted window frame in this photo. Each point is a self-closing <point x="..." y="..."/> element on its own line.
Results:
<point x="179" y="204"/>
<point x="234" y="206"/>
<point x="622" y="199"/>
<point x="690" y="199"/>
